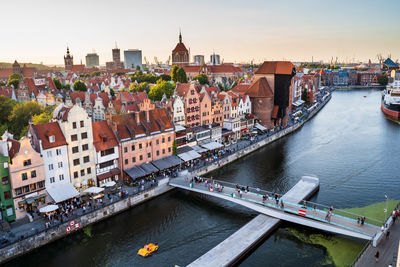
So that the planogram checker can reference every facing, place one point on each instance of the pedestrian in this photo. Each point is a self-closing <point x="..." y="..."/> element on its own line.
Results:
<point x="304" y="204"/>
<point x="363" y="220"/>
<point x="327" y="216"/>
<point x="377" y="256"/>
<point x="282" y="206"/>
<point x="315" y="208"/>
<point x="358" y="220"/>
<point x="382" y="228"/>
<point x="387" y="234"/>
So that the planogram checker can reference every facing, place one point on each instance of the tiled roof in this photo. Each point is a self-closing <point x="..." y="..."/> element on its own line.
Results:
<point x="276" y="67"/>
<point x="45" y="130"/>
<point x="102" y="95"/>
<point x="103" y="136"/>
<point x="31" y="86"/>
<point x="6" y="91"/>
<point x="180" y="47"/>
<point x="14" y="149"/>
<point x="182" y="89"/>
<point x="241" y="88"/>
<point x="260" y="88"/>
<point x="75" y="95"/>
<point x="139" y="96"/>
<point x="5" y="73"/>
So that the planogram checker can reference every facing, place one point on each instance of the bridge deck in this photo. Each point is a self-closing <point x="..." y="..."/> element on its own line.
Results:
<point x="290" y="212"/>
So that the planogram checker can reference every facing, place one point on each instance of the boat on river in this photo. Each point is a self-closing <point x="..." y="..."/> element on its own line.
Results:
<point x="390" y="103"/>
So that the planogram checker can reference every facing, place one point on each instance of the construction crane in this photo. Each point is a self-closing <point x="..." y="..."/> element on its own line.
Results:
<point x="168" y="60"/>
<point x="156" y="61"/>
<point x="146" y="61"/>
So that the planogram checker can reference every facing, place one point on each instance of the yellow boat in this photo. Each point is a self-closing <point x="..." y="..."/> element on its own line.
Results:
<point x="147" y="249"/>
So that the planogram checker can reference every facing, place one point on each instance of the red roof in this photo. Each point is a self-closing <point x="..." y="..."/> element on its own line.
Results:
<point x="276" y="67"/>
<point x="241" y="88"/>
<point x="14" y="149"/>
<point x="51" y="84"/>
<point x="180" y="47"/>
<point x="6" y="91"/>
<point x="182" y="89"/>
<point x="260" y="88"/>
<point x="45" y="130"/>
<point x="31" y="86"/>
<point x="103" y="136"/>
<point x="139" y="96"/>
<point x="78" y="68"/>
<point x="102" y="95"/>
<point x="5" y="73"/>
<point x="75" y="95"/>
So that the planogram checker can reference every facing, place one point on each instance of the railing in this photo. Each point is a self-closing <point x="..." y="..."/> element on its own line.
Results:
<point x="361" y="253"/>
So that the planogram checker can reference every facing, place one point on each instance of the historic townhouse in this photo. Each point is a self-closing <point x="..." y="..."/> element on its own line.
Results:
<point x="107" y="154"/>
<point x="178" y="110"/>
<point x="205" y="109"/>
<point x="49" y="141"/>
<point x="7" y="212"/>
<point x="76" y="126"/>
<point x="191" y="97"/>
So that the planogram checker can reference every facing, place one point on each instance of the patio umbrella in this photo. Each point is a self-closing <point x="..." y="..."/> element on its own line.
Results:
<point x="110" y="184"/>
<point x="48" y="208"/>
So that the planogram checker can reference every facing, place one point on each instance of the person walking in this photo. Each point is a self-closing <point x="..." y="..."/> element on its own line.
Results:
<point x="377" y="256"/>
<point x="387" y="234"/>
<point x="358" y="220"/>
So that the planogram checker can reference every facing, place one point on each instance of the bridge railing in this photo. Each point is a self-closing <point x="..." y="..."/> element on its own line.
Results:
<point x="257" y="199"/>
<point x="308" y="205"/>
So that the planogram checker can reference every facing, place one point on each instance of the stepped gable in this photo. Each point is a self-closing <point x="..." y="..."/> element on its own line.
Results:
<point x="260" y="88"/>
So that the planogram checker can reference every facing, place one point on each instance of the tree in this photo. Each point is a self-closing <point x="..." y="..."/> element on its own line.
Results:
<point x="80" y="86"/>
<point x="20" y="116"/>
<point x="174" y="148"/>
<point x="174" y="73"/>
<point x="43" y="117"/>
<point x="15" y="76"/>
<point x="57" y="83"/>
<point x="95" y="73"/>
<point x="6" y="107"/>
<point x="14" y="83"/>
<point x="383" y="80"/>
<point x="165" y="77"/>
<point x="162" y="87"/>
<point x="201" y="78"/>
<point x="142" y="87"/>
<point x="304" y="96"/>
<point x="137" y="67"/>
<point x="181" y="75"/>
<point x="67" y="86"/>
<point x="2" y="83"/>
<point x="112" y="93"/>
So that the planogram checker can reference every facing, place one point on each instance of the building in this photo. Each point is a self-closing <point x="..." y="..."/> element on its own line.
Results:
<point x="99" y="110"/>
<point x="215" y="59"/>
<point x="188" y="92"/>
<point x="143" y="136"/>
<point x="49" y="141"/>
<point x="107" y="154"/>
<point x="92" y="60"/>
<point x="133" y="59"/>
<point x="7" y="210"/>
<point x="199" y="59"/>
<point x="180" y="54"/>
<point x="116" y="55"/>
<point x="68" y="61"/>
<point x="178" y="110"/>
<point x="205" y="109"/>
<point x="27" y="174"/>
<point x="76" y="126"/>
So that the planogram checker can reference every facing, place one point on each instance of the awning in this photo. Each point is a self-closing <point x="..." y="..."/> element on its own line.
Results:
<point x="260" y="127"/>
<point x="140" y="170"/>
<point x="212" y="145"/>
<point x="167" y="162"/>
<point x="190" y="155"/>
<point x="199" y="149"/>
<point x="62" y="192"/>
<point x="109" y="174"/>
<point x="110" y="184"/>
<point x="244" y="129"/>
<point x="48" y="208"/>
<point x="275" y="112"/>
<point x="93" y="190"/>
<point x="179" y="128"/>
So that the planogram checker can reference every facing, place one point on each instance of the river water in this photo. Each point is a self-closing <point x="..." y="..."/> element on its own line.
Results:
<point x="349" y="145"/>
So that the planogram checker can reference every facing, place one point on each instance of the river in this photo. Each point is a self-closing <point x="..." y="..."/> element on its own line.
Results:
<point x="349" y="145"/>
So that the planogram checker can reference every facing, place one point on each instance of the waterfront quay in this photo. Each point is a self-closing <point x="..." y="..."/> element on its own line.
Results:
<point x="23" y="232"/>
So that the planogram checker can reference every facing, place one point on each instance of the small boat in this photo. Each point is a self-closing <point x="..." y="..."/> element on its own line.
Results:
<point x="365" y="96"/>
<point x="148" y="249"/>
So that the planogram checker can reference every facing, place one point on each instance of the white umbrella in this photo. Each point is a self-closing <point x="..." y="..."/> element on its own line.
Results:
<point x="93" y="190"/>
<point x="48" y="208"/>
<point x="110" y="184"/>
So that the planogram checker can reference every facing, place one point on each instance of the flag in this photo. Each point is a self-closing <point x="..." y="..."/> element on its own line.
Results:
<point x="302" y="212"/>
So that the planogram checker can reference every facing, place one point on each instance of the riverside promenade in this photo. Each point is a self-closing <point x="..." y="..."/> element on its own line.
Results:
<point x="31" y="235"/>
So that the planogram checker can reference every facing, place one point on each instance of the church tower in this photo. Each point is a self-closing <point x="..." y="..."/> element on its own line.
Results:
<point x="180" y="55"/>
<point x="68" y="61"/>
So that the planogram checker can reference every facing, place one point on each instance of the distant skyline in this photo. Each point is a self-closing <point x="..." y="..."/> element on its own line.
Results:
<point x="239" y="31"/>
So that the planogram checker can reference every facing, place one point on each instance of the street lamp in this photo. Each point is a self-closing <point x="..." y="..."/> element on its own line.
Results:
<point x="386" y="207"/>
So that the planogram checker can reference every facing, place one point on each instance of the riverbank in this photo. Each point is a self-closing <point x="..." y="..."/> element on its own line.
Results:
<point x="44" y="237"/>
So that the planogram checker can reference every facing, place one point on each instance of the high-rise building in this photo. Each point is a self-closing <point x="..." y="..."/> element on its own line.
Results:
<point x="92" y="60"/>
<point x="68" y="61"/>
<point x="133" y="58"/>
<point x="116" y="55"/>
<point x="215" y="59"/>
<point x="198" y="59"/>
<point x="180" y="55"/>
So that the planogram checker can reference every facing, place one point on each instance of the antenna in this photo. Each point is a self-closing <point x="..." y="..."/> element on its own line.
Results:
<point x="116" y="46"/>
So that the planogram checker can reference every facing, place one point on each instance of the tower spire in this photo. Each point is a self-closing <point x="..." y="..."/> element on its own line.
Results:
<point x="180" y="36"/>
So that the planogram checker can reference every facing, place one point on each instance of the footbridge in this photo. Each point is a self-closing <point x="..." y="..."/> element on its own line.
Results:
<point x="308" y="214"/>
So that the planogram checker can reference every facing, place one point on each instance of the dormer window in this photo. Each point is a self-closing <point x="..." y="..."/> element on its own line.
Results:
<point x="104" y="139"/>
<point x="52" y="139"/>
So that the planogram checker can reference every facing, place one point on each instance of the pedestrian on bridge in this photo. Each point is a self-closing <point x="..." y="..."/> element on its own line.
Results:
<point x="282" y="206"/>
<point x="377" y="256"/>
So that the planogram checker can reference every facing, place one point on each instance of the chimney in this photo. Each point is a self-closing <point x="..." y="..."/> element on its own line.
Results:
<point x="137" y="116"/>
<point x="147" y="115"/>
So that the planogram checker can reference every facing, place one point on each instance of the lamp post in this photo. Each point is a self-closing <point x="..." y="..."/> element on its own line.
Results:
<point x="386" y="208"/>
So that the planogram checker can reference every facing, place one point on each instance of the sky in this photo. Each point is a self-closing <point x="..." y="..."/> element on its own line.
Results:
<point x="239" y="31"/>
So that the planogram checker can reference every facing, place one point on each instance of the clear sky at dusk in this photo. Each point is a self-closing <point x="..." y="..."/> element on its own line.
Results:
<point x="39" y="31"/>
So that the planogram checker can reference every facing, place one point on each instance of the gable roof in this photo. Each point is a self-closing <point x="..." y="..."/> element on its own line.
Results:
<point x="103" y="136"/>
<point x="14" y="149"/>
<point x="260" y="88"/>
<point x="180" y="47"/>
<point x="276" y="67"/>
<point x="45" y="130"/>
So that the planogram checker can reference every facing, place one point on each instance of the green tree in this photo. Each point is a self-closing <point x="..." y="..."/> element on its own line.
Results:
<point x="2" y="83"/>
<point x="142" y="87"/>
<point x="6" y="107"/>
<point x="174" y="73"/>
<point x="57" y="83"/>
<point x="20" y="116"/>
<point x="165" y="77"/>
<point x="201" y="78"/>
<point x="174" y="148"/>
<point x="383" y="80"/>
<point x="43" y="117"/>
<point x="14" y="83"/>
<point x="304" y="96"/>
<point x="15" y="76"/>
<point x="112" y="93"/>
<point x="181" y="75"/>
<point x="161" y="88"/>
<point x="95" y="73"/>
<point x="80" y="86"/>
<point x="138" y="68"/>
<point x="67" y="86"/>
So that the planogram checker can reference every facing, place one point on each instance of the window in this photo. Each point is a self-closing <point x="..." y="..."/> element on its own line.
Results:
<point x="18" y="191"/>
<point x="74" y="125"/>
<point x="52" y="139"/>
<point x="140" y="146"/>
<point x="27" y="162"/>
<point x="75" y="149"/>
<point x="60" y="164"/>
<point x="76" y="162"/>
<point x="169" y="138"/>
<point x="84" y="135"/>
<point x="4" y="180"/>
<point x="51" y="167"/>
<point x="52" y="180"/>
<point x="125" y="149"/>
<point x="26" y="189"/>
<point x="5" y="165"/>
<point x="148" y="155"/>
<point x="163" y="151"/>
<point x="24" y="176"/>
<point x="61" y="177"/>
<point x="104" y="139"/>
<point x="7" y="195"/>
<point x="163" y="140"/>
<point x="157" y="142"/>
<point x="75" y="175"/>
<point x="85" y="147"/>
<point x="58" y="151"/>
<point x="133" y="147"/>
<point x="106" y="164"/>
<point x="49" y="154"/>
<point x="141" y="157"/>
<point x="86" y="159"/>
<point x="33" y="174"/>
<point x="89" y="170"/>
<point x="133" y="159"/>
<point x="9" y="211"/>
<point x="82" y="124"/>
<point x="107" y="152"/>
<point x="74" y="137"/>
<point x="40" y="184"/>
<point x="169" y="149"/>
<point x="83" y="172"/>
<point x="126" y="161"/>
<point x="157" y="152"/>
